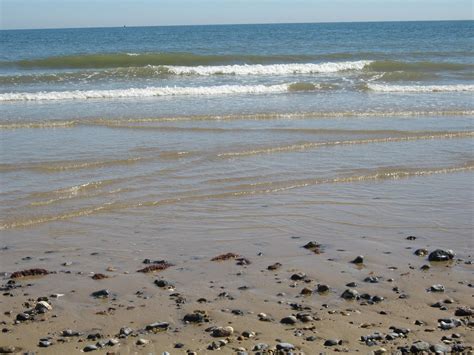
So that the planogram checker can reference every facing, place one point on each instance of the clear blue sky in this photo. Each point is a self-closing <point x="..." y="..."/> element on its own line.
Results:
<point x="105" y="13"/>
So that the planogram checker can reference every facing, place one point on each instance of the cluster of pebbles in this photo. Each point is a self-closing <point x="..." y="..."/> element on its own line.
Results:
<point x="301" y="321"/>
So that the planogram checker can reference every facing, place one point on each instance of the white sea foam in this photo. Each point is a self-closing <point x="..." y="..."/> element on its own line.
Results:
<point x="269" y="69"/>
<point x="145" y="92"/>
<point x="420" y="88"/>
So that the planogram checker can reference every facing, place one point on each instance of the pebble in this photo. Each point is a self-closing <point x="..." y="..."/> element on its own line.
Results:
<point x="437" y="288"/>
<point x="358" y="260"/>
<point x="196" y="317"/>
<point x="441" y="255"/>
<point x="419" y="346"/>
<point x="463" y="312"/>
<point x="260" y="346"/>
<point x="125" y="331"/>
<point x="157" y="325"/>
<point x="298" y="276"/>
<point x="350" y="294"/>
<point x="70" y="333"/>
<point x="142" y="341"/>
<point x="372" y="279"/>
<point x="101" y="294"/>
<point x="322" y="288"/>
<point x="421" y="252"/>
<point x="289" y="320"/>
<point x="44" y="343"/>
<point x="222" y="332"/>
<point x="351" y="284"/>
<point x="332" y="342"/>
<point x="306" y="291"/>
<point x="275" y="266"/>
<point x="8" y="349"/>
<point x="285" y="346"/>
<point x="22" y="317"/>
<point x="43" y="307"/>
<point x="90" y="348"/>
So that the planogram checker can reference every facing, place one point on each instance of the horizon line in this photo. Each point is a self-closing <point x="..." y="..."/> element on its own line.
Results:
<point x="230" y="24"/>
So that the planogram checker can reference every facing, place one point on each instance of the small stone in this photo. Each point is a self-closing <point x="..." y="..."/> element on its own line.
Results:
<point x="219" y="332"/>
<point x="70" y="333"/>
<point x="351" y="284"/>
<point x="44" y="343"/>
<point x="196" y="317"/>
<point x="425" y="267"/>
<point x="43" y="307"/>
<point x="90" y="348"/>
<point x="125" y="331"/>
<point x="441" y="255"/>
<point x="285" y="346"/>
<point x="22" y="317"/>
<point x="113" y="342"/>
<point x="157" y="326"/>
<point x="298" y="276"/>
<point x="322" y="288"/>
<point x="142" y="341"/>
<point x="358" y="260"/>
<point x="440" y="349"/>
<point x="463" y="312"/>
<point x="288" y="320"/>
<point x="419" y="346"/>
<point x="274" y="267"/>
<point x="421" y="252"/>
<point x="260" y="346"/>
<point x="372" y="279"/>
<point x="306" y="291"/>
<point x="248" y="334"/>
<point x="332" y="342"/>
<point x="8" y="349"/>
<point x="380" y="351"/>
<point x="410" y="237"/>
<point x="350" y="294"/>
<point x="437" y="288"/>
<point x="101" y="294"/>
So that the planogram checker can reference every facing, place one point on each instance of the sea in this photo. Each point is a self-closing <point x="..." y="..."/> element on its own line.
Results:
<point x="214" y="133"/>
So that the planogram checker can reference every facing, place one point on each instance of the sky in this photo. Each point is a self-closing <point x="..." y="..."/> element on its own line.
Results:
<point x="15" y="14"/>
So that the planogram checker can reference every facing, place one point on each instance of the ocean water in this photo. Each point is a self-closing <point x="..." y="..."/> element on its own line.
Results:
<point x="277" y="128"/>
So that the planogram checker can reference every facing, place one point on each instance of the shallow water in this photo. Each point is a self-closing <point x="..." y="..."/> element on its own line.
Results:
<point x="363" y="127"/>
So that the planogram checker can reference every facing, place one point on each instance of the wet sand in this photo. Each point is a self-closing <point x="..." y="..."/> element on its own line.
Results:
<point x="234" y="295"/>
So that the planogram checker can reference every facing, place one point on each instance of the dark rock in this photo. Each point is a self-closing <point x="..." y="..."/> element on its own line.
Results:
<point x="372" y="279"/>
<point x="8" y="349"/>
<point x="196" y="317"/>
<point x="70" y="333"/>
<point x="322" y="288"/>
<point x="358" y="260"/>
<point x="162" y="283"/>
<point x="44" y="343"/>
<point x="274" y="267"/>
<point x="351" y="284"/>
<point x="29" y="272"/>
<point x="306" y="291"/>
<point x="350" y="294"/>
<point x="101" y="294"/>
<point x="441" y="255"/>
<point x="298" y="276"/>
<point x="332" y="342"/>
<point x="89" y="348"/>
<point x="288" y="320"/>
<point x="463" y="312"/>
<point x="285" y="346"/>
<point x="22" y="317"/>
<point x="411" y="237"/>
